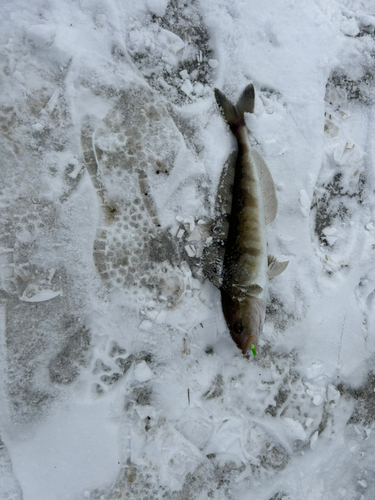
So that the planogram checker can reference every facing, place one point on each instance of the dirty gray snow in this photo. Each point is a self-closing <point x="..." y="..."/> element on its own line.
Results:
<point x="119" y="379"/>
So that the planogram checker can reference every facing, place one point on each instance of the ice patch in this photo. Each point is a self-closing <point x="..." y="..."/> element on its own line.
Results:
<point x="317" y="399"/>
<point x="198" y="89"/>
<point x="329" y="233"/>
<point x="33" y="294"/>
<point x="170" y="40"/>
<point x="187" y="87"/>
<point x="73" y="162"/>
<point x="190" y="250"/>
<point x="213" y="63"/>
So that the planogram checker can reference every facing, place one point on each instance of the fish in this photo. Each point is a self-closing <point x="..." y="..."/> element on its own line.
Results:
<point x="246" y="267"/>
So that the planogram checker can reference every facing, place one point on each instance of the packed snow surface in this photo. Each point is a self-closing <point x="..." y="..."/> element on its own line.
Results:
<point x="119" y="379"/>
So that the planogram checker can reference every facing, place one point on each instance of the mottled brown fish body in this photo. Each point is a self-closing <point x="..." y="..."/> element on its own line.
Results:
<point x="245" y="271"/>
<point x="245" y="261"/>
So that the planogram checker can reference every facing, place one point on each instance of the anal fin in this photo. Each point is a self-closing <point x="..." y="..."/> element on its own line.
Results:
<point x="275" y="268"/>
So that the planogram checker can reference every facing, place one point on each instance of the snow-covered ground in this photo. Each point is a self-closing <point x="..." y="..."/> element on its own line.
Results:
<point x="119" y="379"/>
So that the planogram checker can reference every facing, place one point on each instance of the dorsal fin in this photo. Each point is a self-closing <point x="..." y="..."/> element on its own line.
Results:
<point x="223" y="202"/>
<point x="213" y="254"/>
<point x="268" y="188"/>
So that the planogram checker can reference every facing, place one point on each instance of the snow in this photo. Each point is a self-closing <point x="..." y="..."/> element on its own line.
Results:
<point x="118" y="375"/>
<point x="314" y="440"/>
<point x="157" y="7"/>
<point x="41" y="35"/>
<point x="142" y="372"/>
<point x="59" y="461"/>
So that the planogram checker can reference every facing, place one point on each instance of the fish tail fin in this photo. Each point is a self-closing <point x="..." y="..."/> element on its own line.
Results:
<point x="234" y="115"/>
<point x="229" y="110"/>
<point x="245" y="103"/>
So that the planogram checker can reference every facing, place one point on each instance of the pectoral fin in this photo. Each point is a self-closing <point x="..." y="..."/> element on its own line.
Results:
<point x="275" y="268"/>
<point x="268" y="188"/>
<point x="255" y="288"/>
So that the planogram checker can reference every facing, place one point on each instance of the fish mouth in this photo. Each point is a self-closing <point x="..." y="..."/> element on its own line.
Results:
<point x="248" y="343"/>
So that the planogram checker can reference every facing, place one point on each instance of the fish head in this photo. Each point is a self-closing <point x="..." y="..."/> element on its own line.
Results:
<point x="245" y="319"/>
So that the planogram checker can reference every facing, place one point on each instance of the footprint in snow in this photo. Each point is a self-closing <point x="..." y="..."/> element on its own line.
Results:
<point x="112" y="365"/>
<point x="337" y="209"/>
<point x="129" y="155"/>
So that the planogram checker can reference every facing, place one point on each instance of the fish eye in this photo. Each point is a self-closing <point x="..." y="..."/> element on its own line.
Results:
<point x="237" y="328"/>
